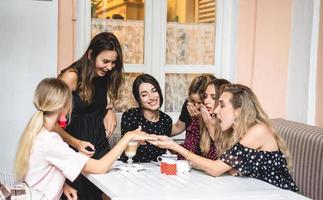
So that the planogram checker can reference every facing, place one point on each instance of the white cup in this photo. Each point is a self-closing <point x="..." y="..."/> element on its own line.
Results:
<point x="182" y="166"/>
<point x="167" y="158"/>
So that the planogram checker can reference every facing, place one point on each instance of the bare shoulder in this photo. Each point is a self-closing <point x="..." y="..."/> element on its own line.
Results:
<point x="259" y="130"/>
<point x="70" y="78"/>
<point x="256" y="136"/>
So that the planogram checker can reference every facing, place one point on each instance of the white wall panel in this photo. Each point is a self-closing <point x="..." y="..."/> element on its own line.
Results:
<point x="28" y="53"/>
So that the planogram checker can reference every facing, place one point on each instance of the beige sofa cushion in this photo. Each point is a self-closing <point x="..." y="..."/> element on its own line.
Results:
<point x="305" y="144"/>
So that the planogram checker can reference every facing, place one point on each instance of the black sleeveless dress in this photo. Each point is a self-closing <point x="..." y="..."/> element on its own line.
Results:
<point x="87" y="124"/>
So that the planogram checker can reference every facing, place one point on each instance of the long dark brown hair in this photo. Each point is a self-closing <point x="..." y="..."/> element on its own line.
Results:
<point x="85" y="67"/>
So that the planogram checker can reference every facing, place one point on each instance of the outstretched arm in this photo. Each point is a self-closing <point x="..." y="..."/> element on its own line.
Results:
<point x="214" y="168"/>
<point x="104" y="164"/>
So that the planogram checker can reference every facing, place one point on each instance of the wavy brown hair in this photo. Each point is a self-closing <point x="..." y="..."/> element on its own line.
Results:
<point x="205" y="135"/>
<point x="85" y="67"/>
<point x="199" y="84"/>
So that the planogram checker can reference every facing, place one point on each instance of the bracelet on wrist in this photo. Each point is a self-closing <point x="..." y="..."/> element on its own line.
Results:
<point x="109" y="107"/>
<point x="188" y="155"/>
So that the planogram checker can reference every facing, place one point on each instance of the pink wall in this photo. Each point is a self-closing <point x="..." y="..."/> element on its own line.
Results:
<point x="319" y="83"/>
<point x="66" y="36"/>
<point x="264" y="33"/>
<point x="246" y="41"/>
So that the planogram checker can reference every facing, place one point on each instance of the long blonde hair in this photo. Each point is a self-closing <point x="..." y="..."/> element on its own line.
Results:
<point x="51" y="96"/>
<point x="251" y="113"/>
<point x="205" y="135"/>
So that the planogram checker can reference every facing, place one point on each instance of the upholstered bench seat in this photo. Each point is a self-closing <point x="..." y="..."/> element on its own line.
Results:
<point x="305" y="144"/>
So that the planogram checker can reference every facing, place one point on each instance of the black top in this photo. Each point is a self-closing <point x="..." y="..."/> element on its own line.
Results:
<point x="130" y="121"/>
<point x="269" y="166"/>
<point x="185" y="115"/>
<point x="87" y="124"/>
<point x="87" y="118"/>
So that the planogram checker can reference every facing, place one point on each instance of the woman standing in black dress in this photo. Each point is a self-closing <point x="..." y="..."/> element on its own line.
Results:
<point x="96" y="75"/>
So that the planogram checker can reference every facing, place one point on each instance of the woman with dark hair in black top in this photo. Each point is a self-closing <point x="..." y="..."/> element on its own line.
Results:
<point x="149" y="97"/>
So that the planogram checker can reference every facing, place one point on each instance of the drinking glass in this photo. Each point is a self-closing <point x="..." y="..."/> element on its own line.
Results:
<point x="130" y="151"/>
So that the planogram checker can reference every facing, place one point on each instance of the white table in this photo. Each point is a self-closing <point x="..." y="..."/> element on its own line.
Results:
<point x="151" y="184"/>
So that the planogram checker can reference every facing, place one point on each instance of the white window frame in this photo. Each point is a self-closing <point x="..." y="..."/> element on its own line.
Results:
<point x="155" y="50"/>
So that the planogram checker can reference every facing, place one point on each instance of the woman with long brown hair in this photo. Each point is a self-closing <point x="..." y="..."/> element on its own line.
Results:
<point x="191" y="107"/>
<point x="94" y="78"/>
<point x="202" y="133"/>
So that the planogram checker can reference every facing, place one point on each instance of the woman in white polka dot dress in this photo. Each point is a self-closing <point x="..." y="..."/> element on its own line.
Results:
<point x="248" y="144"/>
<point x="149" y="97"/>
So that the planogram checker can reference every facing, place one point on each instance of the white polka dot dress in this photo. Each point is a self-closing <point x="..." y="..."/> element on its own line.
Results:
<point x="268" y="166"/>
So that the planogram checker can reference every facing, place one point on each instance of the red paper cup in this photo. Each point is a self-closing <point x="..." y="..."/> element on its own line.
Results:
<point x="163" y="167"/>
<point x="170" y="169"/>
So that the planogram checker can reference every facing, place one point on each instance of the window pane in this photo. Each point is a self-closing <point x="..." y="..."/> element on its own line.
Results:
<point x="176" y="89"/>
<point x="190" y="32"/>
<point x="126" y="20"/>
<point x="126" y="99"/>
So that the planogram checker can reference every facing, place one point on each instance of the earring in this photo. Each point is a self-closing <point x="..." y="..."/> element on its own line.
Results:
<point x="235" y="119"/>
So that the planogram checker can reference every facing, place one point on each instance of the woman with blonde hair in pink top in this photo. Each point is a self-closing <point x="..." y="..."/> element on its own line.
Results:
<point x="43" y="159"/>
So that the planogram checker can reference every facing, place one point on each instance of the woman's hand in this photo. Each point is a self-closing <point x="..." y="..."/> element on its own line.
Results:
<point x="85" y="147"/>
<point x="69" y="192"/>
<point x="110" y="122"/>
<point x="141" y="136"/>
<point x="163" y="142"/>
<point x="233" y="172"/>
<point x="192" y="110"/>
<point x="208" y="120"/>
